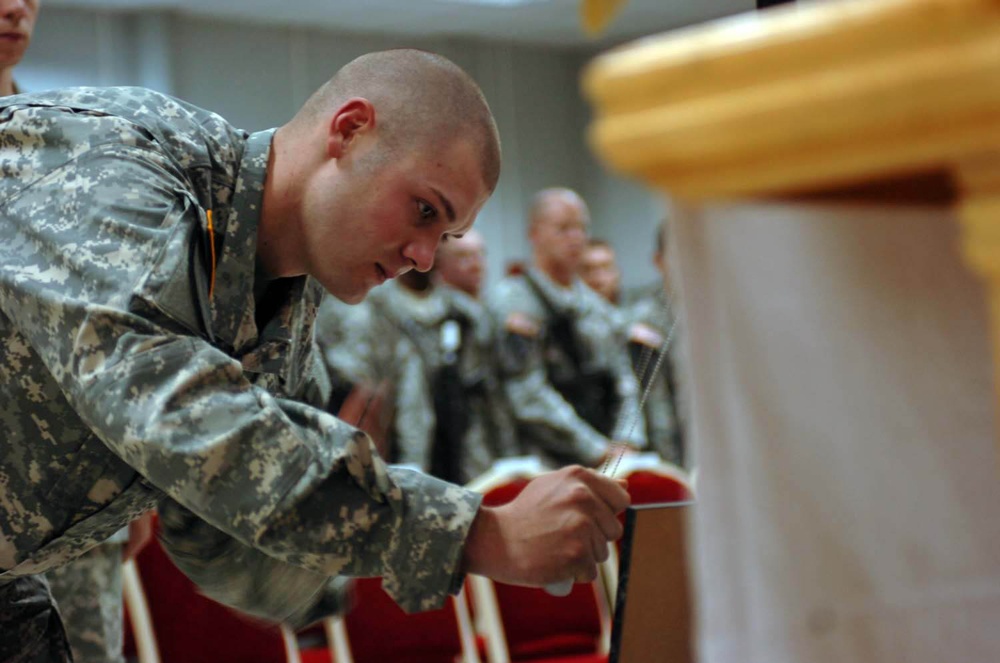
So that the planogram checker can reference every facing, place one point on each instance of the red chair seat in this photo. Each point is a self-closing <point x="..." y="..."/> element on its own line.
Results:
<point x="191" y="628"/>
<point x="580" y="658"/>
<point x="650" y="487"/>
<point x="559" y="645"/>
<point x="316" y="655"/>
<point x="379" y="631"/>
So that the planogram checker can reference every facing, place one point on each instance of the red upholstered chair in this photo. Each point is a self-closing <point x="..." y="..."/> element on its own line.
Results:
<point x="526" y="624"/>
<point x="654" y="481"/>
<point x="190" y="628"/>
<point x="376" y="630"/>
<point x="139" y="639"/>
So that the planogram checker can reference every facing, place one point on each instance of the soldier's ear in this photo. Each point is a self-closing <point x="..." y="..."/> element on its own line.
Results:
<point x="352" y="119"/>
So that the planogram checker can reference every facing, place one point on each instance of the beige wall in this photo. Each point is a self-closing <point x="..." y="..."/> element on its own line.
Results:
<point x="256" y="76"/>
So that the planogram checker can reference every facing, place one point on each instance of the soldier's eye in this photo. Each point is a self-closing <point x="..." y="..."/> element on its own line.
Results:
<point x="426" y="211"/>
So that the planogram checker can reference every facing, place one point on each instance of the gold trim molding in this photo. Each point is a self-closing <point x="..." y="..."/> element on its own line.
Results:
<point x="802" y="97"/>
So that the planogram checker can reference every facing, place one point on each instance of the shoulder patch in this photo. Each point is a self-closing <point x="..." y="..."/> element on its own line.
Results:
<point x="643" y="334"/>
<point x="521" y="324"/>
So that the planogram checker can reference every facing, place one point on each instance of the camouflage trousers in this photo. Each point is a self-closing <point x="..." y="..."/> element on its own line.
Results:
<point x="88" y="592"/>
<point x="31" y="630"/>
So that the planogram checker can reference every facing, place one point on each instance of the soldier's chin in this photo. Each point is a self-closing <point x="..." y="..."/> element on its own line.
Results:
<point x="355" y="296"/>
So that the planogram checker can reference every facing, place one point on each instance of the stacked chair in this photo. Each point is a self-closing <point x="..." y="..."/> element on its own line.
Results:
<point x="173" y="623"/>
<point x="376" y="630"/>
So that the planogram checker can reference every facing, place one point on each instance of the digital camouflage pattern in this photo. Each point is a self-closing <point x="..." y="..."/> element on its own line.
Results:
<point x="547" y="423"/>
<point x="343" y="332"/>
<point x="401" y="316"/>
<point x="244" y="577"/>
<point x="123" y="382"/>
<point x="88" y="593"/>
<point x="493" y="433"/>
<point x="359" y="349"/>
<point x="32" y="629"/>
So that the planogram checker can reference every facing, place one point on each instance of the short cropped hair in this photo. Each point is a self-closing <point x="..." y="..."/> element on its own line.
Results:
<point x="421" y="98"/>
<point x="541" y="201"/>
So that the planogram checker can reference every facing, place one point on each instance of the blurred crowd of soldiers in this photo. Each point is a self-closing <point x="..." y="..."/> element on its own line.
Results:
<point x="552" y="361"/>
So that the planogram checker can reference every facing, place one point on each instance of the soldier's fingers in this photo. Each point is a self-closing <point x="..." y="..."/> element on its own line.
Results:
<point x="609" y="491"/>
<point x="608" y="524"/>
<point x="586" y="573"/>
<point x="599" y="545"/>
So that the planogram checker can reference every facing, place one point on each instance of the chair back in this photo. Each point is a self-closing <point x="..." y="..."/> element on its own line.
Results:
<point x="376" y="630"/>
<point x="139" y="639"/>
<point x="191" y="628"/>
<point x="654" y="481"/>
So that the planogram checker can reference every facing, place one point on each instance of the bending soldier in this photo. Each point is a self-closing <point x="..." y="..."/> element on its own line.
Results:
<point x="159" y="278"/>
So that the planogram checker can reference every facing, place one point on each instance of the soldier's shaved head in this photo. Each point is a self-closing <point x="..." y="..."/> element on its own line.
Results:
<point x="558" y="222"/>
<point x="396" y="151"/>
<point x="548" y="202"/>
<point x="422" y="99"/>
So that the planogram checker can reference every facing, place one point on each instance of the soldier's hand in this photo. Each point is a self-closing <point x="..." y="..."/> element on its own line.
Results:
<point x="559" y="527"/>
<point x="645" y="335"/>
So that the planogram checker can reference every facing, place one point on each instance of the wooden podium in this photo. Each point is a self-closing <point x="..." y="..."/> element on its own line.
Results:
<point x="835" y="169"/>
<point x="652" y="618"/>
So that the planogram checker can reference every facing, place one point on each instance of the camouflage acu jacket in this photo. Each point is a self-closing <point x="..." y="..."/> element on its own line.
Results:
<point x="132" y="368"/>
<point x="419" y="320"/>
<point x="649" y="305"/>
<point x="547" y="422"/>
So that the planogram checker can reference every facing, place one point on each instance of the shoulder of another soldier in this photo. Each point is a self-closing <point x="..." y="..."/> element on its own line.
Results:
<point x="335" y="313"/>
<point x="380" y="301"/>
<point x="643" y="293"/>
<point x="592" y="303"/>
<point x="515" y="308"/>
<point x="511" y="293"/>
<point x="462" y="302"/>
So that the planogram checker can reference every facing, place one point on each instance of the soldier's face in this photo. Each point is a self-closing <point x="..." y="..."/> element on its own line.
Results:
<point x="17" y="21"/>
<point x="561" y="235"/>
<point x="461" y="262"/>
<point x="372" y="216"/>
<point x="599" y="270"/>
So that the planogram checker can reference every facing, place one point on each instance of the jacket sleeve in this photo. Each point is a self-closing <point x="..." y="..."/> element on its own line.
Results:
<point x="245" y="578"/>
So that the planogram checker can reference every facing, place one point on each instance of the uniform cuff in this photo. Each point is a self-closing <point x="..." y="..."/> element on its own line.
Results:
<point x="425" y="564"/>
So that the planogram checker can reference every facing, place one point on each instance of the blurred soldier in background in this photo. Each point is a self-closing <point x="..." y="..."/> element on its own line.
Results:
<point x="565" y="370"/>
<point x="599" y="270"/>
<point x="652" y="335"/>
<point x="491" y="432"/>
<point x="644" y="322"/>
<point x="443" y="423"/>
